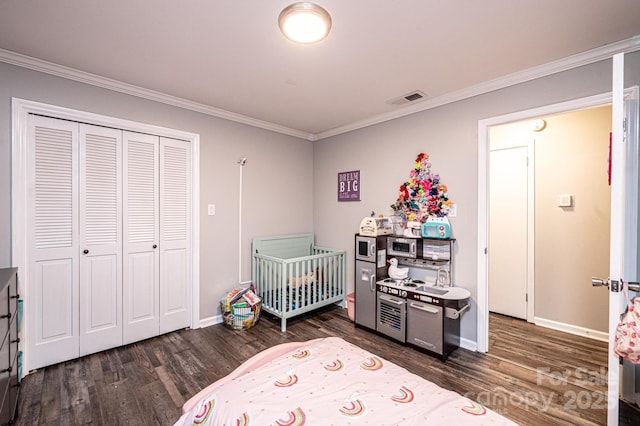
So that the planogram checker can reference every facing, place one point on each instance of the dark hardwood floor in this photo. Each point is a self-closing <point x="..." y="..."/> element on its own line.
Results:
<point x="531" y="375"/>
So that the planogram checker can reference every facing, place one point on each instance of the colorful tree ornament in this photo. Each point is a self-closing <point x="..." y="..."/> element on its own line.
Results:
<point x="422" y="195"/>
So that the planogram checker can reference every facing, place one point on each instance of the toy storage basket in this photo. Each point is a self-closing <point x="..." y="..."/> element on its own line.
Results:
<point x="240" y="316"/>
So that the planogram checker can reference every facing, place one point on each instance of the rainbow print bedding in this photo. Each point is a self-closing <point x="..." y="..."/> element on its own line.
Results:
<point x="329" y="381"/>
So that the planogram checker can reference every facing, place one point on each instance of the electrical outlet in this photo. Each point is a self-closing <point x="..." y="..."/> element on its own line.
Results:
<point x="211" y="209"/>
<point x="453" y="210"/>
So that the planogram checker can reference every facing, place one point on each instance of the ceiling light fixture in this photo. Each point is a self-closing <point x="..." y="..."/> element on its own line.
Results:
<point x="304" y="22"/>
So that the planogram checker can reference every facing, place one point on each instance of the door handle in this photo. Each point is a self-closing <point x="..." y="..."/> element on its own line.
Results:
<point x="614" y="285"/>
<point x="427" y="344"/>
<point x="85" y="251"/>
<point x="155" y="246"/>
<point x="394" y="301"/>
<point x="599" y="282"/>
<point x="372" y="282"/>
<point x="455" y="314"/>
<point x="425" y="308"/>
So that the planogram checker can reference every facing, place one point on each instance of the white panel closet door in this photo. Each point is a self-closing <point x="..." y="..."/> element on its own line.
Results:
<point x="101" y="238"/>
<point x="52" y="218"/>
<point x="141" y="239"/>
<point x="106" y="210"/>
<point x="175" y="234"/>
<point x="508" y="237"/>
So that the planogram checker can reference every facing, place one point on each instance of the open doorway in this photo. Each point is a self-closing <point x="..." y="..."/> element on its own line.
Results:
<point x="549" y="235"/>
<point x="563" y="303"/>
<point x="549" y="220"/>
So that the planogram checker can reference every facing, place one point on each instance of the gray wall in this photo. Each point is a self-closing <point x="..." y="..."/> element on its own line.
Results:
<point x="290" y="184"/>
<point x="277" y="177"/>
<point x="449" y="134"/>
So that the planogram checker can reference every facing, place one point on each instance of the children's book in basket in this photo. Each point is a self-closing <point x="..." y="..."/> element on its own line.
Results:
<point x="251" y="298"/>
<point x="240" y="308"/>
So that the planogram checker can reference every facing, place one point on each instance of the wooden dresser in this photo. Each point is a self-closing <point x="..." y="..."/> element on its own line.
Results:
<point x="10" y="344"/>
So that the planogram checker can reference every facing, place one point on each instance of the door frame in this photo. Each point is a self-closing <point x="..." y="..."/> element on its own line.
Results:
<point x="483" y="196"/>
<point x="20" y="110"/>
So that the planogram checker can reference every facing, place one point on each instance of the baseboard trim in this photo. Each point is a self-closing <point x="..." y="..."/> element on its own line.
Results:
<point x="572" y="329"/>
<point x="206" y="322"/>
<point x="469" y="345"/>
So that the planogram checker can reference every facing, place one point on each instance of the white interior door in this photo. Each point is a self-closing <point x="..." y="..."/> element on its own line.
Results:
<point x="52" y="240"/>
<point x="624" y="219"/>
<point x="48" y="245"/>
<point x="141" y="239"/>
<point x="508" y="231"/>
<point x="630" y="388"/>
<point x="175" y="234"/>
<point x="100" y="238"/>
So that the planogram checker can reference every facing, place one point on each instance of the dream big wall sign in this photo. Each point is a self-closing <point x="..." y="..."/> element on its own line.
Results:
<point x="349" y="186"/>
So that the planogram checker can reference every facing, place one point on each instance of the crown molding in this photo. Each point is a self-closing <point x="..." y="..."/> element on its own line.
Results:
<point x="591" y="56"/>
<point x="585" y="58"/>
<point x="51" y="68"/>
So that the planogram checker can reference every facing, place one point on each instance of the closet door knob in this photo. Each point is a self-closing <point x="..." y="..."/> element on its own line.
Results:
<point x="86" y="251"/>
<point x="155" y="246"/>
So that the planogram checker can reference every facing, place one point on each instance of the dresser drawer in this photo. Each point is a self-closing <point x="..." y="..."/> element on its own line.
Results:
<point x="9" y="344"/>
<point x="9" y="389"/>
<point x="13" y="296"/>
<point x="5" y="356"/>
<point x="13" y="340"/>
<point x="5" y="313"/>
<point x="6" y="410"/>
<point x="6" y="377"/>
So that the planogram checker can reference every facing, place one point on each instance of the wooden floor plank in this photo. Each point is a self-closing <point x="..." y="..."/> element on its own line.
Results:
<point x="170" y="386"/>
<point x="74" y="394"/>
<point x="156" y="405"/>
<point x="121" y="405"/>
<point x="30" y="408"/>
<point x="50" y="399"/>
<point x="531" y="375"/>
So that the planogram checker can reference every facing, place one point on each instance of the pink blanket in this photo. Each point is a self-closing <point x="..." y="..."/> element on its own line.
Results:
<point x="329" y="381"/>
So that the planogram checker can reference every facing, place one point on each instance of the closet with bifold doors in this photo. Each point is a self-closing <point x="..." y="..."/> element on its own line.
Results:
<point x="109" y="236"/>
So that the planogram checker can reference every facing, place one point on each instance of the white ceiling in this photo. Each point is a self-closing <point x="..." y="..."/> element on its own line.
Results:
<point x="229" y="54"/>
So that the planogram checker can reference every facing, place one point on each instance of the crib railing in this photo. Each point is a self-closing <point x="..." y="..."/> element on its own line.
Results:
<point x="289" y="287"/>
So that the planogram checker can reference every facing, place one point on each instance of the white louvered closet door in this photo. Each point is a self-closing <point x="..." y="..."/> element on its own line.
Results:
<point x="175" y="234"/>
<point x="141" y="236"/>
<point x="100" y="238"/>
<point x="52" y="218"/>
<point x="109" y="237"/>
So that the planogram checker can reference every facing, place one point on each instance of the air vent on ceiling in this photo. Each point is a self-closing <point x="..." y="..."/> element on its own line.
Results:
<point x="414" y="96"/>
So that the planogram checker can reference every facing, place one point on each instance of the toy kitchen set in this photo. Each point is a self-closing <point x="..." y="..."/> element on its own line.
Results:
<point x="404" y="284"/>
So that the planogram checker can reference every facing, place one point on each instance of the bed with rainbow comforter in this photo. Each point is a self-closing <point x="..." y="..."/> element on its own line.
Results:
<point x="329" y="381"/>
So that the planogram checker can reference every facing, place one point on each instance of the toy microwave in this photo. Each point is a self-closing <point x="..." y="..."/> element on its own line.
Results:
<point x="374" y="226"/>
<point x="436" y="227"/>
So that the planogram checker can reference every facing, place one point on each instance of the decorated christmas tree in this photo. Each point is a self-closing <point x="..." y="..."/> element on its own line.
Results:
<point x="422" y="195"/>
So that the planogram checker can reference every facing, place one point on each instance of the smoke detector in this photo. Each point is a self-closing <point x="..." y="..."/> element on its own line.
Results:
<point x="414" y="96"/>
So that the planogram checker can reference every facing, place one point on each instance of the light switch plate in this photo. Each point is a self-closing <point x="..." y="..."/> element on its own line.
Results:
<point x="565" y="200"/>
